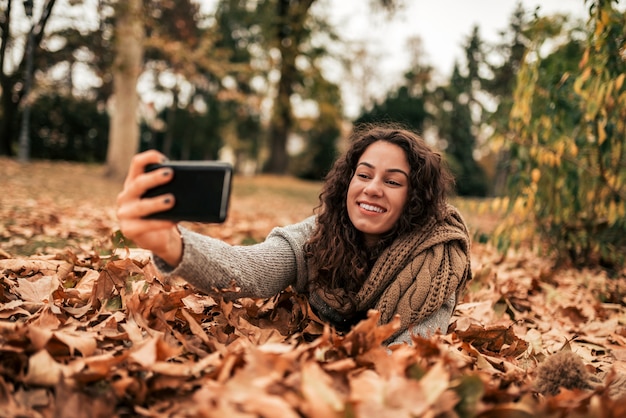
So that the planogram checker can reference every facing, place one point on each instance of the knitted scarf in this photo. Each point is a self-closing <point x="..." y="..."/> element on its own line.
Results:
<point x="413" y="277"/>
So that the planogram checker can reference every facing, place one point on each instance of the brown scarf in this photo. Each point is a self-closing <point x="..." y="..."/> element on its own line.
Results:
<point x="413" y="277"/>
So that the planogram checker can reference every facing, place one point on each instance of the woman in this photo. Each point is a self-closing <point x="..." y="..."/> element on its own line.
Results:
<point x="383" y="238"/>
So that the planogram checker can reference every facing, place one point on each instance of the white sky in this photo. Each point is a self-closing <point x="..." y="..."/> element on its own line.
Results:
<point x="442" y="25"/>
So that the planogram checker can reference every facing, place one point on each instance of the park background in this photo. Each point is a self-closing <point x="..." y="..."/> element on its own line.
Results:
<point x="531" y="122"/>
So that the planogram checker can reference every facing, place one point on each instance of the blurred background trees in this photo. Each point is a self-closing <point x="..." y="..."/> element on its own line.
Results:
<point x="535" y="119"/>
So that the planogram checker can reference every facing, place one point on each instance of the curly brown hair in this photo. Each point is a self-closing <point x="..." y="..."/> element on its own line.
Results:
<point x="336" y="252"/>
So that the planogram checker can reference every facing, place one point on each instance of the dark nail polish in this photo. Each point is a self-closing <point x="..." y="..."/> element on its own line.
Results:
<point x="167" y="200"/>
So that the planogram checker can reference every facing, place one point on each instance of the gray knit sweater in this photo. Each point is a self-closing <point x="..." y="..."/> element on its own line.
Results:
<point x="264" y="269"/>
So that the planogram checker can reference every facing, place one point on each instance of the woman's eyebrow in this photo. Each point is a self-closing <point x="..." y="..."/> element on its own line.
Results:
<point x="390" y="170"/>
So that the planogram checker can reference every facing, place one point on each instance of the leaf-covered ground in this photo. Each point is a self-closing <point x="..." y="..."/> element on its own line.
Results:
<point x="88" y="328"/>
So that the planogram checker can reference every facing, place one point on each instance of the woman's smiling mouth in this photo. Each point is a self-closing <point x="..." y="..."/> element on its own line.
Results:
<point x="372" y="208"/>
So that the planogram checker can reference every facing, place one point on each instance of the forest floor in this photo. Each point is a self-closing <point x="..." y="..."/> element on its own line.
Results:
<point x="85" y="321"/>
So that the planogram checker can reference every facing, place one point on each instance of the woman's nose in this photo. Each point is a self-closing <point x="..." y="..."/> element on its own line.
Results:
<point x="373" y="188"/>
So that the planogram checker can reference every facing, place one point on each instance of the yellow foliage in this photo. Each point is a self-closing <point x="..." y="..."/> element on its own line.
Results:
<point x="619" y="81"/>
<point x="499" y="204"/>
<point x="574" y="169"/>
<point x="601" y="131"/>
<point x="583" y="77"/>
<point x="612" y="213"/>
<point x="535" y="175"/>
<point x="560" y="148"/>
<point x="611" y="180"/>
<point x="519" y="207"/>
<point x="546" y="122"/>
<point x="600" y="24"/>
<point x="584" y="59"/>
<point x="608" y="96"/>
<point x="497" y="143"/>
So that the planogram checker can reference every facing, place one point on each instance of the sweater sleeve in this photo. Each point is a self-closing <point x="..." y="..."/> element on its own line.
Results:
<point x="260" y="270"/>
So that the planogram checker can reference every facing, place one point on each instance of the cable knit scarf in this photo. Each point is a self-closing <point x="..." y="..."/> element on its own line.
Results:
<point x="413" y="277"/>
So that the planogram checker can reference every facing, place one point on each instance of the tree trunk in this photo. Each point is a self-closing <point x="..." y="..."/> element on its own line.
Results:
<point x="8" y="107"/>
<point x="12" y="97"/>
<point x="124" y="128"/>
<point x="291" y="16"/>
<point x="170" y="118"/>
<point x="8" y="124"/>
<point x="280" y="125"/>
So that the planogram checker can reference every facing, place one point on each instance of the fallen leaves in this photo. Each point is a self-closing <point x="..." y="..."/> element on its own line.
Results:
<point x="91" y="331"/>
<point x="156" y="348"/>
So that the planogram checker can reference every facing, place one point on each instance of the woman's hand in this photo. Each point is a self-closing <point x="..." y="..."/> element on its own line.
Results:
<point x="159" y="236"/>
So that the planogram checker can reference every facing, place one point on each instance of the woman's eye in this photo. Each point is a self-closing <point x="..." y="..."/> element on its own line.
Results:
<point x="363" y="175"/>
<point x="393" y="183"/>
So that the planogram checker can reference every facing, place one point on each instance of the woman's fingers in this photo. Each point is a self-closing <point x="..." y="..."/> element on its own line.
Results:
<point x="140" y="161"/>
<point x="135" y="188"/>
<point x="139" y="208"/>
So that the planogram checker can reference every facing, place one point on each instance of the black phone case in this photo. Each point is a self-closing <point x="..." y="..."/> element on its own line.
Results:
<point x="201" y="190"/>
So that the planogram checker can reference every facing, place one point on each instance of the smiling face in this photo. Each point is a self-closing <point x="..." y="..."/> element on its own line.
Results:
<point x="378" y="190"/>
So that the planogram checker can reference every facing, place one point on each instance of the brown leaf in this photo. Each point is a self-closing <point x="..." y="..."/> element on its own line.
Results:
<point x="84" y="342"/>
<point x="435" y="383"/>
<point x="494" y="339"/>
<point x="153" y="350"/>
<point x="9" y="309"/>
<point x="43" y="370"/>
<point x="197" y="303"/>
<point x="321" y="399"/>
<point x="195" y="328"/>
<point x="367" y="334"/>
<point x="113" y="277"/>
<point x="95" y="368"/>
<point x="374" y="396"/>
<point x="72" y="403"/>
<point x="46" y="267"/>
<point x="85" y="285"/>
<point x="38" y="291"/>
<point x="39" y="336"/>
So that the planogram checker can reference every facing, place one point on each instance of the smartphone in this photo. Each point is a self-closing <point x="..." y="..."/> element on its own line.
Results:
<point x="201" y="190"/>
